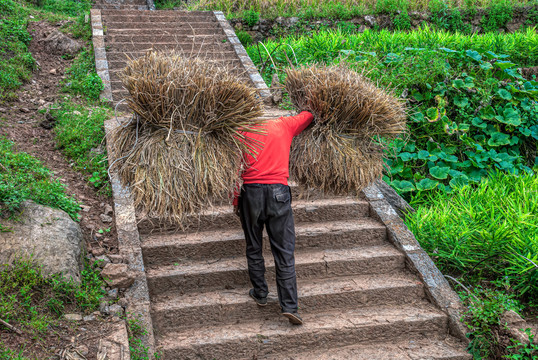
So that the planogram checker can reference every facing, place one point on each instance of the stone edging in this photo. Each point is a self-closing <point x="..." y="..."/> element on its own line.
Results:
<point x="101" y="64"/>
<point x="137" y="296"/>
<point x="437" y="287"/>
<point x="243" y="56"/>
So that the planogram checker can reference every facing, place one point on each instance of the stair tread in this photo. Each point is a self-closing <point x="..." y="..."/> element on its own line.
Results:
<point x="415" y="349"/>
<point x="187" y="267"/>
<point x="160" y="240"/>
<point x="275" y="326"/>
<point x="306" y="288"/>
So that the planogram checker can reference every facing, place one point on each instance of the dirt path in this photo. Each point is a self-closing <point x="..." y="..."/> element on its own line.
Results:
<point x="21" y="124"/>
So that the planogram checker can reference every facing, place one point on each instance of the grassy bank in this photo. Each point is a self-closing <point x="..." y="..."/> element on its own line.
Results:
<point x="486" y="236"/>
<point x="23" y="177"/>
<point x="343" y="9"/>
<point x="444" y="78"/>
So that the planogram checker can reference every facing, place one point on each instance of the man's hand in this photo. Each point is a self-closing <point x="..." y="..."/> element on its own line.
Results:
<point x="236" y="210"/>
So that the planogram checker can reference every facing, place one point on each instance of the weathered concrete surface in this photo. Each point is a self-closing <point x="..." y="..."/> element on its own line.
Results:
<point x="47" y="235"/>
<point x="137" y="295"/>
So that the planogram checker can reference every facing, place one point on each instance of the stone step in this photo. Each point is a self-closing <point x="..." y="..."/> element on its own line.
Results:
<point x="147" y="16"/>
<point x="225" y="60"/>
<point x="409" y="349"/>
<point x="168" y="31"/>
<point x="162" y="249"/>
<point x="124" y="7"/>
<point x="231" y="272"/>
<point x="304" y="210"/>
<point x="235" y="306"/>
<point x="275" y="335"/>
<point x="121" y="2"/>
<point x="123" y="56"/>
<point x="159" y="25"/>
<point x="186" y="47"/>
<point x="184" y="38"/>
<point x="117" y="66"/>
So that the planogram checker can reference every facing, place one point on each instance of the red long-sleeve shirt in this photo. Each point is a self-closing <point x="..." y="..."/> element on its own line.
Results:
<point x="271" y="165"/>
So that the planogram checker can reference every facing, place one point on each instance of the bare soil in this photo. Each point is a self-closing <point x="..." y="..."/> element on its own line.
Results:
<point x="19" y="121"/>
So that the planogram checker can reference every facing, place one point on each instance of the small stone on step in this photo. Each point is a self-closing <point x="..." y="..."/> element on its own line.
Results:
<point x="73" y="317"/>
<point x="105" y="218"/>
<point x="90" y="317"/>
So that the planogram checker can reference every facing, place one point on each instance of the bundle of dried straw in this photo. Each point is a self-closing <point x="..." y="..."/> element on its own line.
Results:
<point x="341" y="152"/>
<point x="182" y="150"/>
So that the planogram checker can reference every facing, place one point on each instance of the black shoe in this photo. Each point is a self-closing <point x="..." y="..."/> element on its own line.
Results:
<point x="261" y="301"/>
<point x="293" y="317"/>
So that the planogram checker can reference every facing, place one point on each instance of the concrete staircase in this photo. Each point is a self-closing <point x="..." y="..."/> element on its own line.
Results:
<point x="131" y="33"/>
<point x="358" y="299"/>
<point x="358" y="294"/>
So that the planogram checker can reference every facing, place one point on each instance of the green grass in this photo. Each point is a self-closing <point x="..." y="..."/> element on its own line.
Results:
<point x="80" y="135"/>
<point x="487" y="232"/>
<point x="82" y="78"/>
<point x="444" y="82"/>
<point x="34" y="303"/>
<point x="342" y="10"/>
<point x="16" y="62"/>
<point x="23" y="177"/>
<point x="486" y="236"/>
<point x="8" y="354"/>
<point x="328" y="46"/>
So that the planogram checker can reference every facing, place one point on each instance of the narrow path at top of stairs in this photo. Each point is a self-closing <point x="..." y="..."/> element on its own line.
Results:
<point x="357" y="294"/>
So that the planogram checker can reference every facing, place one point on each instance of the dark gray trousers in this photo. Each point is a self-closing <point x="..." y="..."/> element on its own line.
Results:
<point x="270" y="205"/>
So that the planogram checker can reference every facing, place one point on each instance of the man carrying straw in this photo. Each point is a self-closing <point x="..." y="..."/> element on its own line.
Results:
<point x="265" y="199"/>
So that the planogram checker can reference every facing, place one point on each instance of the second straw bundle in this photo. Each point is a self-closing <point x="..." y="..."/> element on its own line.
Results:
<point x="181" y="152"/>
<point x="340" y="153"/>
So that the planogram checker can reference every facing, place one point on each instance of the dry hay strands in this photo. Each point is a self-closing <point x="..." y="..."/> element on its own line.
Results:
<point x="174" y="175"/>
<point x="341" y="153"/>
<point x="191" y="94"/>
<point x="346" y="101"/>
<point x="335" y="163"/>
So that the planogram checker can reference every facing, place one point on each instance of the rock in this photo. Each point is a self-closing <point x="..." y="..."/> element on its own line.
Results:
<point x="397" y="202"/>
<point x="116" y="310"/>
<point x="361" y="28"/>
<point x="98" y="251"/>
<point x="3" y="110"/>
<point x="83" y="350"/>
<point x="85" y="208"/>
<point x="103" y="307"/>
<point x="115" y="259"/>
<point x="513" y="27"/>
<point x="276" y="90"/>
<point x="108" y="209"/>
<point x="123" y="302"/>
<point x="515" y="325"/>
<point x="105" y="218"/>
<point x="90" y="317"/>
<point x="113" y="294"/>
<point x="60" y="44"/>
<point x="52" y="238"/>
<point x="24" y="110"/>
<point x="293" y="20"/>
<point x="52" y="72"/>
<point x="73" y="317"/>
<point x="370" y="20"/>
<point x="102" y="260"/>
<point x="118" y="275"/>
<point x="49" y="121"/>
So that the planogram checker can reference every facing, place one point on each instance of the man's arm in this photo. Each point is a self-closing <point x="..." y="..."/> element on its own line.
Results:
<point x="299" y="122"/>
